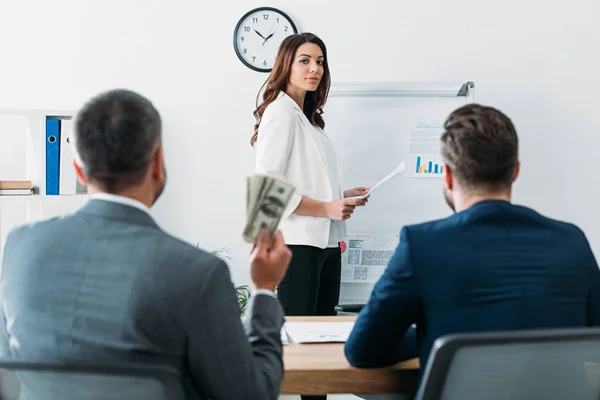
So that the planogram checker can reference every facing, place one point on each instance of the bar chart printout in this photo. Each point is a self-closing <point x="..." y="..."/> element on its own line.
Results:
<point x="427" y="167"/>
<point x="424" y="158"/>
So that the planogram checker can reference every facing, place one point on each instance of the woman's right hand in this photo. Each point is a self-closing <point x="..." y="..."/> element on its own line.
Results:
<point x="340" y="210"/>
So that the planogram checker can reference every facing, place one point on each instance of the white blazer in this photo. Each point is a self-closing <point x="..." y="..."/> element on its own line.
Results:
<point x="286" y="146"/>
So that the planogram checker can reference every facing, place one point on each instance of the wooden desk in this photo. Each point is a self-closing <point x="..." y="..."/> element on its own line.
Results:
<point x="314" y="369"/>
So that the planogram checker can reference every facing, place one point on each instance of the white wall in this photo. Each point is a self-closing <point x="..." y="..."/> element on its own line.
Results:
<point x="536" y="60"/>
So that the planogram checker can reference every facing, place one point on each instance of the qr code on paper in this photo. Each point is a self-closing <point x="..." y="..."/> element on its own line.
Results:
<point x="354" y="257"/>
<point x="376" y="257"/>
<point x="360" y="273"/>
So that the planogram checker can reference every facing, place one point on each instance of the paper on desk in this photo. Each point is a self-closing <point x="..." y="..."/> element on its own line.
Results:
<point x="318" y="332"/>
<point x="284" y="337"/>
<point x="385" y="179"/>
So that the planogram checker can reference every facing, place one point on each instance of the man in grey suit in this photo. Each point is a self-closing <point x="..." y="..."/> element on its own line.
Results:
<point x="107" y="284"/>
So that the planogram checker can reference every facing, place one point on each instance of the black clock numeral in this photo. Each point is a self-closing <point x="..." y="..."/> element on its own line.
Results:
<point x="265" y="16"/>
<point x="253" y="58"/>
<point x="265" y="62"/>
<point x="286" y="28"/>
<point x="242" y="38"/>
<point x="245" y="51"/>
<point x="254" y="20"/>
<point x="277" y="19"/>
<point x="246" y="29"/>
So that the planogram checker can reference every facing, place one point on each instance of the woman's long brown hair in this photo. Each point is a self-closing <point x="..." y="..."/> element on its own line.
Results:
<point x="279" y="78"/>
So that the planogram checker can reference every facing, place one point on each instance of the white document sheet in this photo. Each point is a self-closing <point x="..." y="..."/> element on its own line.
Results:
<point x="318" y="332"/>
<point x="424" y="157"/>
<point x="284" y="336"/>
<point x="382" y="181"/>
<point x="366" y="256"/>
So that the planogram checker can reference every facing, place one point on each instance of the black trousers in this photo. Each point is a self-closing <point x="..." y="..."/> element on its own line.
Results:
<point x="311" y="285"/>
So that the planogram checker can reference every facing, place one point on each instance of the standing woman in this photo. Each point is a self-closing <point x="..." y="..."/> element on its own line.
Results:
<point x="291" y="142"/>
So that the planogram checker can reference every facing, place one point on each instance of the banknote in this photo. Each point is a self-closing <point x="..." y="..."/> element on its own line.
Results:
<point x="255" y="185"/>
<point x="268" y="196"/>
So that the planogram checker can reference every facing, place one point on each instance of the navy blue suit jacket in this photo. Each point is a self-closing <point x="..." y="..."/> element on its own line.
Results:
<point x="495" y="266"/>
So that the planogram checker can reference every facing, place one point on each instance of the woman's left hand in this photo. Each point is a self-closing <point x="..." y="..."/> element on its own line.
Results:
<point x="357" y="191"/>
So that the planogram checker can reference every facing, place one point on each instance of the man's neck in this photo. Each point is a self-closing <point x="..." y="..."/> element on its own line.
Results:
<point x="133" y="194"/>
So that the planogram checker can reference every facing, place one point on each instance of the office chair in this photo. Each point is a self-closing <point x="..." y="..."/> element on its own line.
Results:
<point x="516" y="365"/>
<point x="84" y="380"/>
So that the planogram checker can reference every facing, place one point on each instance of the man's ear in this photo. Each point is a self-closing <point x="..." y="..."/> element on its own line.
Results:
<point x="448" y="177"/>
<point x="517" y="170"/>
<point x="80" y="175"/>
<point x="158" y="170"/>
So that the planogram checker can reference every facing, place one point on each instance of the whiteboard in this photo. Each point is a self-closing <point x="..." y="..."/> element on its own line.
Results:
<point x="374" y="127"/>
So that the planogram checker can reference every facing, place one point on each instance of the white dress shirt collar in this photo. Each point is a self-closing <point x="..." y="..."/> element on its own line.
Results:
<point x="128" y="201"/>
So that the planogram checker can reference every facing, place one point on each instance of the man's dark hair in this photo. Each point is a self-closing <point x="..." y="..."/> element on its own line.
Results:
<point x="116" y="134"/>
<point x="480" y="146"/>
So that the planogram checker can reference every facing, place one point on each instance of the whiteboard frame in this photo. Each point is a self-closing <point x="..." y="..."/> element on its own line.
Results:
<point x="404" y="89"/>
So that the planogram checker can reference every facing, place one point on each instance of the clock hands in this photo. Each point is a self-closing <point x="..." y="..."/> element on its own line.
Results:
<point x="270" y="34"/>
<point x="265" y="38"/>
<point x="258" y="33"/>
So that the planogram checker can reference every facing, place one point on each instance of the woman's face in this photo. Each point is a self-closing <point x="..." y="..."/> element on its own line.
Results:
<point x="307" y="67"/>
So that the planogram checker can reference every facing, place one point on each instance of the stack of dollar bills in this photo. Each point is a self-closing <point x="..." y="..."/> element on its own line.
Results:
<point x="267" y="198"/>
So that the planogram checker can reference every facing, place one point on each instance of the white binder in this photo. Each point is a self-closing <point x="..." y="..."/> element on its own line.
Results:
<point x="67" y="177"/>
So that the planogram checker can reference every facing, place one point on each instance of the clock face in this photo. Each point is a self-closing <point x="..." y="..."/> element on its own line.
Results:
<point x="258" y="35"/>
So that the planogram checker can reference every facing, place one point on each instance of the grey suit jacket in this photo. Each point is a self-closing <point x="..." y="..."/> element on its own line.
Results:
<point x="107" y="284"/>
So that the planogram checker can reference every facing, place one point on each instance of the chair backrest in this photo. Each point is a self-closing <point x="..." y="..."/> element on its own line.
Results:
<point x="83" y="380"/>
<point x="516" y="365"/>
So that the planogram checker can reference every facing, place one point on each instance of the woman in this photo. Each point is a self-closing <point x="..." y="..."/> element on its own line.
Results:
<point x="291" y="142"/>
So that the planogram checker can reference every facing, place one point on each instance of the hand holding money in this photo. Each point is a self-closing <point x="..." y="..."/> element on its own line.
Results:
<point x="269" y="262"/>
<point x="267" y="198"/>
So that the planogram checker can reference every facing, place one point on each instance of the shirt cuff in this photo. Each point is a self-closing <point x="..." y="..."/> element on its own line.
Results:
<point x="264" y="291"/>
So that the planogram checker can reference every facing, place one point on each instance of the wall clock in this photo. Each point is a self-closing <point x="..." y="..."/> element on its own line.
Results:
<point x="258" y="34"/>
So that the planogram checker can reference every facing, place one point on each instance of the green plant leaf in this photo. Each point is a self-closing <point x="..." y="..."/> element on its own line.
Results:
<point x="243" y="295"/>
<point x="242" y="292"/>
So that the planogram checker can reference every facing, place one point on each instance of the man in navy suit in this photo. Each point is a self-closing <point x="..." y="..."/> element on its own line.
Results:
<point x="491" y="266"/>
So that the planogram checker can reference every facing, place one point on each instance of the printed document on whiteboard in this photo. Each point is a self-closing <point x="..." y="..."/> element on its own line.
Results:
<point x="366" y="256"/>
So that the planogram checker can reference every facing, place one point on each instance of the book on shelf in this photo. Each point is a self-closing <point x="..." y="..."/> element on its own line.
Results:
<point x="16" y="192"/>
<point x="14" y="185"/>
<point x="16" y="188"/>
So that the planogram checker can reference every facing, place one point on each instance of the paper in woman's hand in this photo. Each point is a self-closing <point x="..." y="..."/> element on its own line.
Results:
<point x="382" y="181"/>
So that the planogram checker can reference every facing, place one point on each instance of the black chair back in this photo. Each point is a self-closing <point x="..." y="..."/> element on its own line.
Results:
<point x="517" y="365"/>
